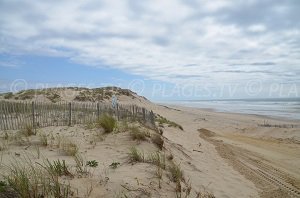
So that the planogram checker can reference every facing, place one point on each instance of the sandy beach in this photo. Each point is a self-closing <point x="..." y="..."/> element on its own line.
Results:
<point x="218" y="154"/>
<point x="234" y="155"/>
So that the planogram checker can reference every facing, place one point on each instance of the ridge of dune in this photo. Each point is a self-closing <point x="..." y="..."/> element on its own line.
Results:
<point x="76" y="94"/>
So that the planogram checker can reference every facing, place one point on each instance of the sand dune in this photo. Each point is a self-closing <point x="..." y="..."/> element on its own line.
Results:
<point x="220" y="154"/>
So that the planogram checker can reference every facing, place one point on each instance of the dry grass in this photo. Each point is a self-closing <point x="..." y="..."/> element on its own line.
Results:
<point x="136" y="134"/>
<point x="90" y="125"/>
<point x="43" y="139"/>
<point x="68" y="147"/>
<point x="123" y="126"/>
<point x="28" y="131"/>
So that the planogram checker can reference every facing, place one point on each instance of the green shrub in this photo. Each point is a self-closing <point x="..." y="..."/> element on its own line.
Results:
<point x="3" y="186"/>
<point x="92" y="163"/>
<point x="108" y="123"/>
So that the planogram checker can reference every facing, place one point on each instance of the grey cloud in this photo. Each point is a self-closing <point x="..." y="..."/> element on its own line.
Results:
<point x="145" y="38"/>
<point x="245" y="72"/>
<point x="263" y="63"/>
<point x="189" y="76"/>
<point x="264" y="12"/>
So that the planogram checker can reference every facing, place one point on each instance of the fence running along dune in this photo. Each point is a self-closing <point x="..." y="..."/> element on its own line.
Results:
<point x="18" y="115"/>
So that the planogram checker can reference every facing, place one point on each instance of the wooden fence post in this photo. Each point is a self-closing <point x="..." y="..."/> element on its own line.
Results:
<point x="152" y="118"/>
<point x="118" y="112"/>
<point x="33" y="116"/>
<point x="98" y="110"/>
<point x="144" y="114"/>
<point x="70" y="113"/>
<point x="3" y="116"/>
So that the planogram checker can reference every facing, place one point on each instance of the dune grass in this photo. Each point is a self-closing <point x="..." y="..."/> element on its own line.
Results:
<point x="157" y="159"/>
<point x="43" y="139"/>
<point x="176" y="174"/>
<point x="28" y="180"/>
<point x="162" y="120"/>
<point x="81" y="164"/>
<point x="68" y="147"/>
<point x="57" y="167"/>
<point x="135" y="155"/>
<point x="107" y="122"/>
<point x="27" y="131"/>
<point x="137" y="134"/>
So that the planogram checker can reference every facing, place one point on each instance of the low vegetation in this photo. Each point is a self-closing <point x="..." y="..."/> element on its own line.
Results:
<point x="28" y="180"/>
<point x="204" y="194"/>
<point x="162" y="120"/>
<point x="157" y="159"/>
<point x="135" y="155"/>
<point x="3" y="144"/>
<point x="266" y="124"/>
<point x="107" y="122"/>
<point x="57" y="167"/>
<point x="8" y="95"/>
<point x="53" y="97"/>
<point x="43" y="139"/>
<point x="92" y="163"/>
<point x="27" y="131"/>
<point x="176" y="174"/>
<point x="137" y="134"/>
<point x="114" y="165"/>
<point x="81" y="164"/>
<point x="68" y="147"/>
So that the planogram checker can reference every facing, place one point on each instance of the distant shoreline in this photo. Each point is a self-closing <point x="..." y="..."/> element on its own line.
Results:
<point x="215" y="110"/>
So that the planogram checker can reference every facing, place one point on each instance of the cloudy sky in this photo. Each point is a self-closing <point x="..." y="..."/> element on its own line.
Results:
<point x="175" y="48"/>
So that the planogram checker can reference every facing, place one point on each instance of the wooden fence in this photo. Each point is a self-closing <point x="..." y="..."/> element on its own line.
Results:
<point x="18" y="115"/>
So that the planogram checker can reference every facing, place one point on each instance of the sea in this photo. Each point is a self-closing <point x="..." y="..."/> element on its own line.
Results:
<point x="288" y="108"/>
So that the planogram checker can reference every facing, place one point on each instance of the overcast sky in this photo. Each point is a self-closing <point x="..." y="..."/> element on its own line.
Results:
<point x="209" y="43"/>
